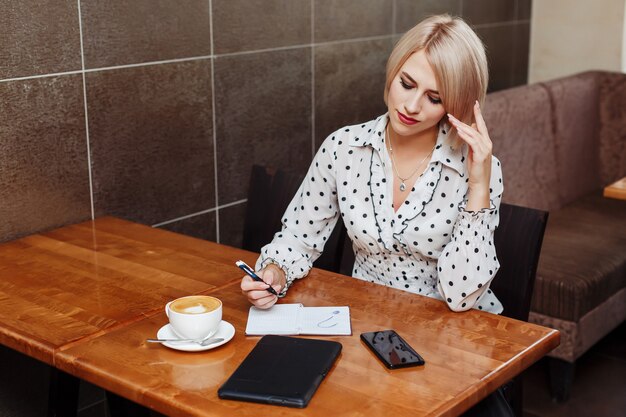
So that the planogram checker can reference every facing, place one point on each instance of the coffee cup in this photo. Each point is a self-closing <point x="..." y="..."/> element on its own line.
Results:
<point x="195" y="316"/>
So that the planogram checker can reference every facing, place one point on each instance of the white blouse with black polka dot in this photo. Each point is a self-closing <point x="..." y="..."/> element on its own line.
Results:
<point x="429" y="246"/>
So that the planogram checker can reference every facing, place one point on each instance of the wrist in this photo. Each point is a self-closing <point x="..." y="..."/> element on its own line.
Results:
<point x="478" y="199"/>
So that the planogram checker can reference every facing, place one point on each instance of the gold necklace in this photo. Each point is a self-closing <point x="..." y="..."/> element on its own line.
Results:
<point x="393" y="162"/>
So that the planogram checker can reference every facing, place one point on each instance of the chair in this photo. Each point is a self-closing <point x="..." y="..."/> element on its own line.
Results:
<point x="518" y="241"/>
<point x="270" y="192"/>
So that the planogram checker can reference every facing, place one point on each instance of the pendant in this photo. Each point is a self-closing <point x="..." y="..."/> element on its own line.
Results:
<point x="402" y="186"/>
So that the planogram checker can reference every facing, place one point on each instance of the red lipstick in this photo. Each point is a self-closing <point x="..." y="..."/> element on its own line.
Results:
<point x="406" y="120"/>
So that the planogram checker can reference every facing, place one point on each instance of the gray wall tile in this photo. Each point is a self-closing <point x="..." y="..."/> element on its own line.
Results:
<point x="500" y="43"/>
<point x="37" y="39"/>
<point x="346" y="19"/>
<point x="202" y="226"/>
<point x="43" y="163"/>
<point x="349" y="84"/>
<point x="411" y="12"/>
<point x="151" y="141"/>
<point x="477" y="12"/>
<point x="263" y="116"/>
<point x="247" y="25"/>
<point x="231" y="224"/>
<point x="524" y="9"/>
<point x="519" y="74"/>
<point x="117" y="32"/>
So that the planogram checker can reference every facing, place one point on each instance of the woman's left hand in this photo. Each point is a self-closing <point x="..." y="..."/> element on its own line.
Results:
<point x="479" y="159"/>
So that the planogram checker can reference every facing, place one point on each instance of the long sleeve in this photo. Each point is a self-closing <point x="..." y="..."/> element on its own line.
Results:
<point x="469" y="261"/>
<point x="309" y="219"/>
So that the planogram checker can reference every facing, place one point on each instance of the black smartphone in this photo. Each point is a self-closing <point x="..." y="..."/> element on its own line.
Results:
<point x="392" y="349"/>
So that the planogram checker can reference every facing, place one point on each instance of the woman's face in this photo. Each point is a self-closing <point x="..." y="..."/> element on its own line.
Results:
<point x="413" y="99"/>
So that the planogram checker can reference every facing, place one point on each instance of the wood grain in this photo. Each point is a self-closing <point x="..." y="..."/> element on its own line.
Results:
<point x="468" y="355"/>
<point x="616" y="190"/>
<point x="85" y="297"/>
<point x="59" y="287"/>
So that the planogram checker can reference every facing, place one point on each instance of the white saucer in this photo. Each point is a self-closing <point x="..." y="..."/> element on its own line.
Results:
<point x="225" y="330"/>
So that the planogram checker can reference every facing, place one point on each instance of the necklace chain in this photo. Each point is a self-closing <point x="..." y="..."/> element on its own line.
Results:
<point x="393" y="162"/>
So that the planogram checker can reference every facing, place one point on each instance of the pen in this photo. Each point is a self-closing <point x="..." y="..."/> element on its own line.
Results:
<point x="244" y="266"/>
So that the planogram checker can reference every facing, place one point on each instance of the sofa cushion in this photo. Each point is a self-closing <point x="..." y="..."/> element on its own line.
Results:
<point x="583" y="258"/>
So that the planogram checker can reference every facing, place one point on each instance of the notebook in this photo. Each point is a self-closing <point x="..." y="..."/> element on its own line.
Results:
<point x="281" y="370"/>
<point x="292" y="319"/>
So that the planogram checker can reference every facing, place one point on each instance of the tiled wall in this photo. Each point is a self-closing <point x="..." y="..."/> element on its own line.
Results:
<point x="155" y="110"/>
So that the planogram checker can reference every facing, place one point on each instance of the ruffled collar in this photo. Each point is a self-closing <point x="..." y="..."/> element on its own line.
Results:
<point x="390" y="225"/>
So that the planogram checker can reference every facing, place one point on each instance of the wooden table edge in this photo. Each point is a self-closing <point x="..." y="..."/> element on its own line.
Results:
<point x="29" y="346"/>
<point x="616" y="190"/>
<point x="496" y="378"/>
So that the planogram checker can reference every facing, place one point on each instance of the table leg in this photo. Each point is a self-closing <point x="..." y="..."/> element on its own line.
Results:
<point x="561" y="378"/>
<point x="122" y="407"/>
<point x="63" y="394"/>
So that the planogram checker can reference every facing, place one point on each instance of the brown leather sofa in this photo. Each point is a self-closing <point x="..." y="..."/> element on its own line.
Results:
<point x="560" y="142"/>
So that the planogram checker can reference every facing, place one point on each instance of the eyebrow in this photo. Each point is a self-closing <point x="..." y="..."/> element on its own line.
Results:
<point x="415" y="82"/>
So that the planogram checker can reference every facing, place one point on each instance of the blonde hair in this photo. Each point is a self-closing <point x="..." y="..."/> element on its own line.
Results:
<point x="457" y="57"/>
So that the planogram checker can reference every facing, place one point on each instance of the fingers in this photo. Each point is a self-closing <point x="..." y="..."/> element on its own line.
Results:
<point x="467" y="133"/>
<point x="257" y="293"/>
<point x="266" y="302"/>
<point x="269" y="276"/>
<point x="248" y="284"/>
<point x="479" y="143"/>
<point x="480" y="122"/>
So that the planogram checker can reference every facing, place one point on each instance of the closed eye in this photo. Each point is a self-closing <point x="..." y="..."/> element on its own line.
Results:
<point x="405" y="85"/>
<point x="434" y="100"/>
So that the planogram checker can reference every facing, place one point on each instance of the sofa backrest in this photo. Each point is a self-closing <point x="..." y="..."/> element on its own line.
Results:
<point x="612" y="88"/>
<point x="561" y="139"/>
<point x="523" y="140"/>
<point x="575" y="110"/>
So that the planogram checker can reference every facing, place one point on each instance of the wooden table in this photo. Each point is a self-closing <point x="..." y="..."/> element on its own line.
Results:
<point x="468" y="355"/>
<point x="616" y="190"/>
<point x="60" y="287"/>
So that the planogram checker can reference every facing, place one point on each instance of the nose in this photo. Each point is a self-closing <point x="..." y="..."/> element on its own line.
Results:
<point x="414" y="103"/>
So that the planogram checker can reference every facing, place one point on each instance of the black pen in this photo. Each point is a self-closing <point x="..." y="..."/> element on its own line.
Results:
<point x="245" y="268"/>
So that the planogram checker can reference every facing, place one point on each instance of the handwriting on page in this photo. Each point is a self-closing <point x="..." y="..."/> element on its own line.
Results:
<point x="325" y="320"/>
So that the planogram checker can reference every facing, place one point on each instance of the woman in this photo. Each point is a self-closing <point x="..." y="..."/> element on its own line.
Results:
<point x="418" y="188"/>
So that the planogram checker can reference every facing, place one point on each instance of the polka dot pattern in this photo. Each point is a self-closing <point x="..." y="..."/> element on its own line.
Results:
<point x="429" y="246"/>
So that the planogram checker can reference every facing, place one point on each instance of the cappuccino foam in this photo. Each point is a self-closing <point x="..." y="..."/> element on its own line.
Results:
<point x="195" y="305"/>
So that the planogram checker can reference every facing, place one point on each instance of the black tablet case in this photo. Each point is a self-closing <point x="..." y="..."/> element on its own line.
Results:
<point x="281" y="370"/>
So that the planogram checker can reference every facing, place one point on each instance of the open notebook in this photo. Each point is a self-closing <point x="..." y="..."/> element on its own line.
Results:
<point x="294" y="319"/>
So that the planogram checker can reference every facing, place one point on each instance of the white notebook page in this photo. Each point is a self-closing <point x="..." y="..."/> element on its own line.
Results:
<point x="279" y="319"/>
<point x="292" y="319"/>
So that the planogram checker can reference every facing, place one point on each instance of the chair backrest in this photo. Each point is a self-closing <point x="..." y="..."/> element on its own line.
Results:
<point x="270" y="192"/>
<point x="518" y="241"/>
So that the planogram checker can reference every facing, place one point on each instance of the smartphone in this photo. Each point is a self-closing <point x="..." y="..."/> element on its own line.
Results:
<point x="392" y="349"/>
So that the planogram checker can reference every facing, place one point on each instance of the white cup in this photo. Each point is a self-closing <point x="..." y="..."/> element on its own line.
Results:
<point x="195" y="316"/>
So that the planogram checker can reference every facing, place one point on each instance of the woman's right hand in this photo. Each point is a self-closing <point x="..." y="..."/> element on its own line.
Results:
<point x="257" y="291"/>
